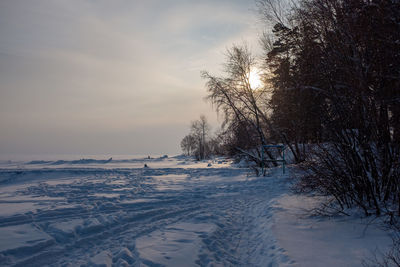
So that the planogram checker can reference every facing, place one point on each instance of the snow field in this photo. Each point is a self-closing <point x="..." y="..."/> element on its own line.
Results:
<point x="175" y="213"/>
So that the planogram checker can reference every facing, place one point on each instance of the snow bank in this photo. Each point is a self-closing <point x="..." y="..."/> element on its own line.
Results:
<point x="328" y="241"/>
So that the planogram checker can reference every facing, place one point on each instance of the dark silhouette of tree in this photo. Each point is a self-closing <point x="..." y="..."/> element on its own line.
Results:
<point x="335" y="70"/>
<point x="244" y="109"/>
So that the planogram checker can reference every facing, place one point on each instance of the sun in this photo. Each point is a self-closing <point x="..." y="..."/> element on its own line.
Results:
<point x="254" y="79"/>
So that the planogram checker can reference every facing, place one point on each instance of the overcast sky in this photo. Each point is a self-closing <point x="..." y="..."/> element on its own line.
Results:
<point x="111" y="77"/>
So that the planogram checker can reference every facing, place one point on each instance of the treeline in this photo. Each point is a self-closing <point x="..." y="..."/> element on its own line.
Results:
<point x="330" y="93"/>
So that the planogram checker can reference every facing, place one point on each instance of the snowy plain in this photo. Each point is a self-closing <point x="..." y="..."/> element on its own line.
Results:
<point x="175" y="212"/>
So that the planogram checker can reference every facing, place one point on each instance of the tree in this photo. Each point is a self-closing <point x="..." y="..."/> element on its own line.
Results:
<point x="197" y="142"/>
<point x="188" y="144"/>
<point x="245" y="109"/>
<point x="336" y="75"/>
<point x="200" y="130"/>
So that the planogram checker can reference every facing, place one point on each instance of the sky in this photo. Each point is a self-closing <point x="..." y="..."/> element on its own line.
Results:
<point x="111" y="77"/>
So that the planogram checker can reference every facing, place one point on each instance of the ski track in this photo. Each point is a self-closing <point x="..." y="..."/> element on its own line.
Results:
<point x="95" y="216"/>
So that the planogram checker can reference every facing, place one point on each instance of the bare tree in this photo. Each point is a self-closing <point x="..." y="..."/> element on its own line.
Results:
<point x="188" y="144"/>
<point x="239" y="102"/>
<point x="275" y="11"/>
<point x="200" y="130"/>
<point x="197" y="142"/>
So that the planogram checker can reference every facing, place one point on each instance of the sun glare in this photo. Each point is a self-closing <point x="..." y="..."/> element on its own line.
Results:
<point x="254" y="79"/>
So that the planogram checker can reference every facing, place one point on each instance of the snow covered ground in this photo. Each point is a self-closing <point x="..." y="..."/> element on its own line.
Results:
<point x="176" y="212"/>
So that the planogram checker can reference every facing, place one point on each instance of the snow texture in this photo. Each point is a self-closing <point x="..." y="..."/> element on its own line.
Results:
<point x="175" y="212"/>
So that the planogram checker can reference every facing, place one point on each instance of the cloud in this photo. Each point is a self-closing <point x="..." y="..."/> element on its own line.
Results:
<point x="92" y="68"/>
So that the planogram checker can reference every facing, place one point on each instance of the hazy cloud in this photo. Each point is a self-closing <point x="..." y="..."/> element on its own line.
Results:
<point x="110" y="76"/>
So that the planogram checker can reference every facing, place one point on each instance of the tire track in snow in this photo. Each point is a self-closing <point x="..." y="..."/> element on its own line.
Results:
<point x="105" y="228"/>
